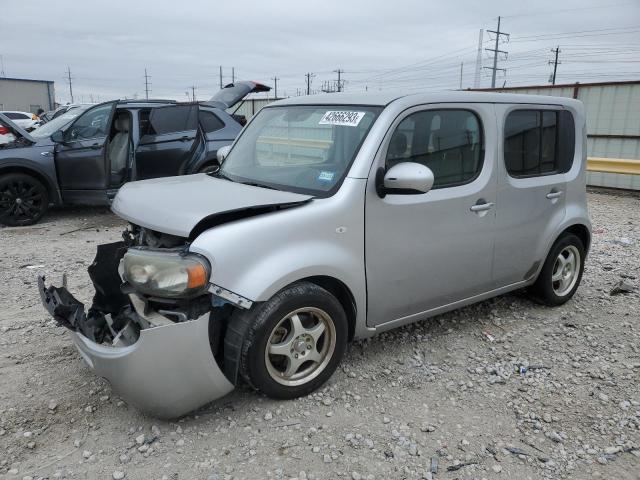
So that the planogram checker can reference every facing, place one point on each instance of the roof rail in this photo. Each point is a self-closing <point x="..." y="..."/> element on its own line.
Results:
<point x="151" y="100"/>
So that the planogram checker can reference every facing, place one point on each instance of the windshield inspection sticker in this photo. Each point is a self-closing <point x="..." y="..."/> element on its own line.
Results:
<point x="348" y="119"/>
<point x="326" y="176"/>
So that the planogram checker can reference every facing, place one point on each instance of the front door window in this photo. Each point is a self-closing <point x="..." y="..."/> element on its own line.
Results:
<point x="92" y="124"/>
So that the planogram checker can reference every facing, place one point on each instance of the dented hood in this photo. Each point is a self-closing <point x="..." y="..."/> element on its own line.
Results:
<point x="175" y="205"/>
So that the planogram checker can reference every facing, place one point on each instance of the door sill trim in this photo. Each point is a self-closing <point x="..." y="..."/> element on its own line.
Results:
<point x="446" y="308"/>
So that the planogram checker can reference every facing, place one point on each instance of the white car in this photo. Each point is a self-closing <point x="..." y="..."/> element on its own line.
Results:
<point x="26" y="120"/>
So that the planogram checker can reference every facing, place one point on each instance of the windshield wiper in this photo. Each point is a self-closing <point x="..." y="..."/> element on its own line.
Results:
<point x="254" y="184"/>
<point x="219" y="174"/>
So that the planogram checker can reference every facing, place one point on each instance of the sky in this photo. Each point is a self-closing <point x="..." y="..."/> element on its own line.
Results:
<point x="379" y="45"/>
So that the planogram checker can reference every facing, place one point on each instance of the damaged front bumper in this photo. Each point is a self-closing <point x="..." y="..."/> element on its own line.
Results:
<point x="167" y="373"/>
<point x="166" y="370"/>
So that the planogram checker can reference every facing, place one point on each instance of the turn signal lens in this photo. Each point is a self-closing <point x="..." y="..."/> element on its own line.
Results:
<point x="197" y="276"/>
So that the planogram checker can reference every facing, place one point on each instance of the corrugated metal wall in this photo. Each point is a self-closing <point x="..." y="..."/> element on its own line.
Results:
<point x="613" y="123"/>
<point x="26" y="95"/>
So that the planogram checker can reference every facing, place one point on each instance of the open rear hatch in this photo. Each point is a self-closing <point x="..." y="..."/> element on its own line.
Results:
<point x="233" y="93"/>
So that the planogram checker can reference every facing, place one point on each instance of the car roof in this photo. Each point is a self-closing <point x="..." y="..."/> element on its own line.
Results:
<point x="385" y="98"/>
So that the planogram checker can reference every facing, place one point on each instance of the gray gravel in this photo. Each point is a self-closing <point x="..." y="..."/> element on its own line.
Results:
<point x="505" y="389"/>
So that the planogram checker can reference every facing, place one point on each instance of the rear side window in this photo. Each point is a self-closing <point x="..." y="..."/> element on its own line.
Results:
<point x="538" y="142"/>
<point x="449" y="142"/>
<point x="210" y="122"/>
<point x="172" y="119"/>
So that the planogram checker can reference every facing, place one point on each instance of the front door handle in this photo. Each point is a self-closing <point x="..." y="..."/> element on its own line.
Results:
<point x="96" y="146"/>
<point x="551" y="195"/>
<point x="482" y="207"/>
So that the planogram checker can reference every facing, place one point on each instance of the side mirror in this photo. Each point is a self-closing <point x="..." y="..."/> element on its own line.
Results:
<point x="406" y="178"/>
<point x="222" y="153"/>
<point x="57" y="136"/>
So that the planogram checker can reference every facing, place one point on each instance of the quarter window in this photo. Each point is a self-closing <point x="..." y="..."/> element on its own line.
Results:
<point x="210" y="122"/>
<point x="449" y="142"/>
<point x="538" y="142"/>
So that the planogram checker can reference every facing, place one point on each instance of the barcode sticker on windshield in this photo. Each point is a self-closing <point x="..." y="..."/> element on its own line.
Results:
<point x="348" y="119"/>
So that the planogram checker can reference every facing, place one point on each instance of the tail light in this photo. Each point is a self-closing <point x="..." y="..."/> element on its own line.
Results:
<point x="4" y="130"/>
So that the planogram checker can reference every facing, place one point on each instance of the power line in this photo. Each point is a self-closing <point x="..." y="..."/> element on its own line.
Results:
<point x="495" y="51"/>
<point x="69" y="78"/>
<point x="146" y="84"/>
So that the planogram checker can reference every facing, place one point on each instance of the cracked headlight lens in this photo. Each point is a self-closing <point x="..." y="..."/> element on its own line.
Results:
<point x="166" y="274"/>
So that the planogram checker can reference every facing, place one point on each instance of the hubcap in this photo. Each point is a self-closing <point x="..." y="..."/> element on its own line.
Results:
<point x="566" y="270"/>
<point x="300" y="346"/>
<point x="20" y="199"/>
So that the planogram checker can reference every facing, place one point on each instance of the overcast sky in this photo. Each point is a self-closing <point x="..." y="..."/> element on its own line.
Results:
<point x="404" y="44"/>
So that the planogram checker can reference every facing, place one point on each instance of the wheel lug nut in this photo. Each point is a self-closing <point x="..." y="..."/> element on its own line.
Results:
<point x="308" y="347"/>
<point x="296" y="355"/>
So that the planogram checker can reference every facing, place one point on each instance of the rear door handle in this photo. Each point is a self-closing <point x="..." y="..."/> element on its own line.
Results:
<point x="185" y="139"/>
<point x="481" y="207"/>
<point x="552" y="195"/>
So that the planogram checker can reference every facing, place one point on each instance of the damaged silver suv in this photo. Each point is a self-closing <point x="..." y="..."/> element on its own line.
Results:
<point x="333" y="217"/>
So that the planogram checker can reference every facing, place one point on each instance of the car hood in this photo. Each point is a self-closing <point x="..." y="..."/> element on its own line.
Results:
<point x="176" y="205"/>
<point x="231" y="94"/>
<point x="17" y="130"/>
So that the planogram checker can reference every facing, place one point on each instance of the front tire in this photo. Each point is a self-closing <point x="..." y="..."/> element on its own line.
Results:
<point x="23" y="199"/>
<point x="562" y="271"/>
<point x="290" y="345"/>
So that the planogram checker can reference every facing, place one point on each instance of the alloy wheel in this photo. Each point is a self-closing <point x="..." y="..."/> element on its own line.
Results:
<point x="300" y="346"/>
<point x="21" y="199"/>
<point x="566" y="270"/>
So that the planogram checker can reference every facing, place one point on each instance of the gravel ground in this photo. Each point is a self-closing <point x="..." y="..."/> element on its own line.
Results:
<point x="441" y="391"/>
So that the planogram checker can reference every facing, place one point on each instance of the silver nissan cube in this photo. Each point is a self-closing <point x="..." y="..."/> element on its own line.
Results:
<point x="333" y="217"/>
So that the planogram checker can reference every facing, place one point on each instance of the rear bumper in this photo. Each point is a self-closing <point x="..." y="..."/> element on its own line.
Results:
<point x="167" y="373"/>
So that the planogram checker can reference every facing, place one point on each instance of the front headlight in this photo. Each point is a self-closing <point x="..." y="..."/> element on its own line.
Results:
<point x="166" y="274"/>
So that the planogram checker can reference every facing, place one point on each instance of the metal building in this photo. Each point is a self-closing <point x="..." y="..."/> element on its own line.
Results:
<point x="26" y="95"/>
<point x="250" y="106"/>
<point x="613" y="123"/>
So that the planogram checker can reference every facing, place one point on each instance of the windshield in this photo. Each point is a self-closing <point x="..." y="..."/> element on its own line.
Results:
<point x="57" y="123"/>
<point x="303" y="149"/>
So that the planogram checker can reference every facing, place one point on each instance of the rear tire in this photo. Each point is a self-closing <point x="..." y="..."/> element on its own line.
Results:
<point x="23" y="199"/>
<point x="291" y="344"/>
<point x="562" y="271"/>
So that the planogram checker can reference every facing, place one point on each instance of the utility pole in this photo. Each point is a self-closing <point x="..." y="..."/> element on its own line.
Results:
<point x="555" y="64"/>
<point x="193" y="93"/>
<point x="233" y="74"/>
<point x="476" y="79"/>
<point x="69" y="80"/>
<point x="496" y="51"/>
<point x="275" y="87"/>
<point x="461" y="67"/>
<point x="146" y="84"/>
<point x="339" y="71"/>
<point x="220" y="77"/>
<point x="2" y="74"/>
<point x="309" y="77"/>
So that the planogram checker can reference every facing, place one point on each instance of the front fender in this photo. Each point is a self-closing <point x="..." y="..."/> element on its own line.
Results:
<point x="43" y="168"/>
<point x="258" y="256"/>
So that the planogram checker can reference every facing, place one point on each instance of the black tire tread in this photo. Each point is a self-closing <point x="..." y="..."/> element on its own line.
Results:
<point x="244" y="325"/>
<point x="541" y="290"/>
